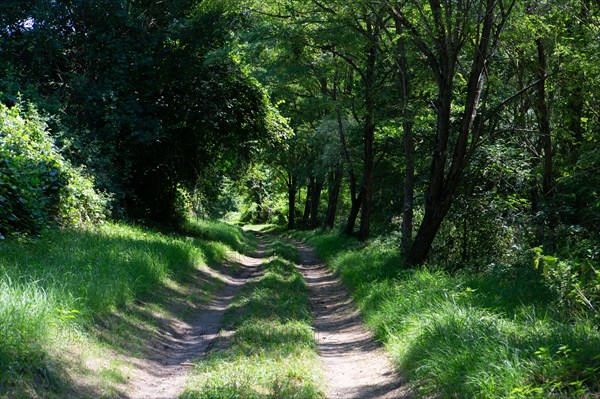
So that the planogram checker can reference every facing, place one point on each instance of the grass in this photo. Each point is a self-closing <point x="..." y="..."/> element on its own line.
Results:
<point x="72" y="297"/>
<point x="272" y="353"/>
<point x="494" y="334"/>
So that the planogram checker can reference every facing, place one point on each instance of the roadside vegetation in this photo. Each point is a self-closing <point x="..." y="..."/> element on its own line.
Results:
<point x="272" y="350"/>
<point x="456" y="140"/>
<point x="73" y="301"/>
<point x="498" y="333"/>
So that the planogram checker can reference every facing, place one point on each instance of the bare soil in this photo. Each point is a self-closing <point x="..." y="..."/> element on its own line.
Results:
<point x="355" y="365"/>
<point x="163" y="374"/>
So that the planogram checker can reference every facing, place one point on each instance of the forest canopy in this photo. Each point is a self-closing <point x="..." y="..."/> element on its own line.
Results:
<point x="468" y="129"/>
<point x="143" y="94"/>
<point x="441" y="156"/>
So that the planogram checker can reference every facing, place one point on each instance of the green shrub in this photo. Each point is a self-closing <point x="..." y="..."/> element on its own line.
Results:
<point x="573" y="279"/>
<point x="38" y="186"/>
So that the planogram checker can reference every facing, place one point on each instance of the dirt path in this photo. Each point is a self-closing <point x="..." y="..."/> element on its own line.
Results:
<point x="355" y="366"/>
<point x="164" y="375"/>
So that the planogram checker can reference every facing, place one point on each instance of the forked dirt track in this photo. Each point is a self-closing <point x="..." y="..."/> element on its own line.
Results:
<point x="355" y="366"/>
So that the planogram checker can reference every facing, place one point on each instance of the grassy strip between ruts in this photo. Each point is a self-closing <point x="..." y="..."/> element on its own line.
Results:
<point x="494" y="334"/>
<point x="272" y="351"/>
<point x="75" y="303"/>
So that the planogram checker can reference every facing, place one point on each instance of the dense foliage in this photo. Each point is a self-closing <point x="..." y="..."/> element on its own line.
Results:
<point x="470" y="128"/>
<point x="38" y="186"/>
<point x="142" y="94"/>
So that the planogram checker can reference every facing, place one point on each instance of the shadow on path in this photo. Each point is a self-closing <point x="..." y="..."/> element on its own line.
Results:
<point x="355" y="366"/>
<point x="164" y="373"/>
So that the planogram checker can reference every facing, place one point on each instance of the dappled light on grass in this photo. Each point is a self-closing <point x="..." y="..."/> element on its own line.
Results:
<point x="210" y="230"/>
<point x="95" y="290"/>
<point x="494" y="334"/>
<point x="272" y="353"/>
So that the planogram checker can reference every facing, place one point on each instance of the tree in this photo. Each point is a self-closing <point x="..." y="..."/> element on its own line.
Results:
<point x="444" y="35"/>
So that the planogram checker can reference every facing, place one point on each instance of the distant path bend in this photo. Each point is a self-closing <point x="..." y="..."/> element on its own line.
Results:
<point x="355" y="366"/>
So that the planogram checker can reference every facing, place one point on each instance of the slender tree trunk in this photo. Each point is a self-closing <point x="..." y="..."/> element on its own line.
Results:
<point x="444" y="180"/>
<point x="369" y="137"/>
<point x="334" y="186"/>
<point x="292" y="189"/>
<point x="409" y="145"/>
<point x="465" y="242"/>
<point x="354" y="210"/>
<point x="355" y="196"/>
<point x="314" y="202"/>
<point x="543" y="114"/>
<point x="307" y="204"/>
<point x="544" y="122"/>
<point x="437" y="204"/>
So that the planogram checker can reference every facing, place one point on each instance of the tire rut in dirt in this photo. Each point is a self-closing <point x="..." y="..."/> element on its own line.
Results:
<point x="355" y="366"/>
<point x="163" y="376"/>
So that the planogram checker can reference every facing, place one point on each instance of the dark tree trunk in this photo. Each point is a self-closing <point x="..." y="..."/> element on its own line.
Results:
<point x="354" y="210"/>
<point x="444" y="179"/>
<point x="544" y="122"/>
<point x="334" y="186"/>
<point x="548" y="187"/>
<point x="369" y="135"/>
<point x="434" y="216"/>
<point x="307" y="204"/>
<point x="409" y="145"/>
<point x="355" y="193"/>
<point x="437" y="202"/>
<point x="465" y="242"/>
<point x="314" y="202"/>
<point x="292" y="189"/>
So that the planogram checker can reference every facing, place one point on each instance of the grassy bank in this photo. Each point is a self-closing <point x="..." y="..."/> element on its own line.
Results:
<point x="494" y="334"/>
<point x="272" y="352"/>
<point x="72" y="297"/>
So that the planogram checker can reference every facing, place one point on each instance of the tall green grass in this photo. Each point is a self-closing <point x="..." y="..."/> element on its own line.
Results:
<point x="218" y="231"/>
<point x="494" y="334"/>
<point x="66" y="281"/>
<point x="272" y="353"/>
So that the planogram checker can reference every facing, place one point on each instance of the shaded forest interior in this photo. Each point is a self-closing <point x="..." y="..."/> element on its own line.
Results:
<point x="456" y="136"/>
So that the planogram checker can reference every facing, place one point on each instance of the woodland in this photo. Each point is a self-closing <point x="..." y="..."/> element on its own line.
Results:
<point x="443" y="157"/>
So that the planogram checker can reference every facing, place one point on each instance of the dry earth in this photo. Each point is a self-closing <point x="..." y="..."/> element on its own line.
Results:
<point x="163" y="376"/>
<point x="355" y="366"/>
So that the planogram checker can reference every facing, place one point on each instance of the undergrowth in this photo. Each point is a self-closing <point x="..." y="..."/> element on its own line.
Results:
<point x="272" y="353"/>
<point x="80" y="291"/>
<point x="492" y="334"/>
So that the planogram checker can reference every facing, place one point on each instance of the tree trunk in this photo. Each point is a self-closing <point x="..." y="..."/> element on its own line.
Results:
<point x="355" y="196"/>
<point x="548" y="187"/>
<point x="314" y="202"/>
<point x="369" y="136"/>
<point x="334" y="186"/>
<point x="307" y="204"/>
<point x="292" y="189"/>
<point x="409" y="145"/>
<point x="427" y="231"/>
<point x="444" y="180"/>
<point x="354" y="210"/>
<point x="544" y="122"/>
